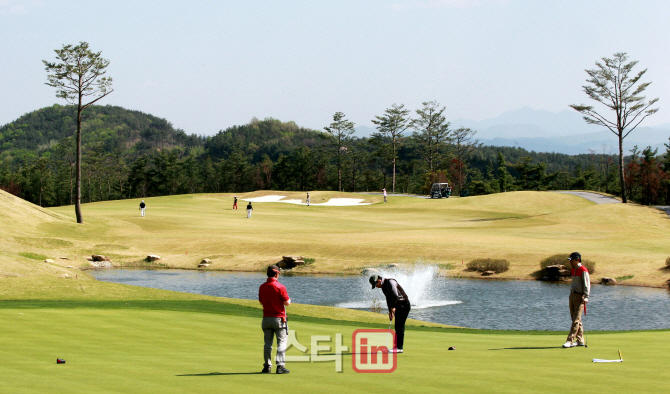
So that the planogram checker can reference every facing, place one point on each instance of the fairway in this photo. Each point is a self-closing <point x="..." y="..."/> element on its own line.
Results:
<point x="153" y="351"/>
<point x="522" y="227"/>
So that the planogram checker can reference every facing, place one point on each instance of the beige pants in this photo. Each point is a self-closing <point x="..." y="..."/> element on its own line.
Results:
<point x="576" y="309"/>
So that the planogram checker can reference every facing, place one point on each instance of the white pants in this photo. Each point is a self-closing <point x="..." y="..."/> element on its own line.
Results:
<point x="249" y="213"/>
<point x="308" y="202"/>
<point x="143" y="209"/>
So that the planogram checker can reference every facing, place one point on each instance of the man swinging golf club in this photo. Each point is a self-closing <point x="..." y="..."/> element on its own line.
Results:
<point x="274" y="298"/>
<point x="398" y="304"/>
<point x="579" y="297"/>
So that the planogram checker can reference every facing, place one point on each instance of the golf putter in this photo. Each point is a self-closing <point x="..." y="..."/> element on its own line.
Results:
<point x="286" y="319"/>
<point x="584" y="328"/>
<point x="388" y="334"/>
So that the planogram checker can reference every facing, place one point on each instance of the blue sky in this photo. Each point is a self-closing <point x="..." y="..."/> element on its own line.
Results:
<point x="208" y="65"/>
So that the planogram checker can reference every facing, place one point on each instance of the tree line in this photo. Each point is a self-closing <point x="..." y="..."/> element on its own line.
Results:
<point x="128" y="154"/>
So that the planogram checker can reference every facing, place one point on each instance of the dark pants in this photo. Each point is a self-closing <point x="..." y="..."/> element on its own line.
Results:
<point x="401" y="312"/>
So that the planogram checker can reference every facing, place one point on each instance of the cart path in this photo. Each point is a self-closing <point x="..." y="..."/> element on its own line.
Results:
<point x="665" y="208"/>
<point x="594" y="197"/>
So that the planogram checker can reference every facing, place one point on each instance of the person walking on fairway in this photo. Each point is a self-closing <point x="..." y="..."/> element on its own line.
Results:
<point x="249" y="210"/>
<point x="235" y="203"/>
<point x="274" y="298"/>
<point x="307" y="198"/>
<point x="398" y="305"/>
<point x="384" y="190"/>
<point x="579" y="297"/>
<point x="143" y="207"/>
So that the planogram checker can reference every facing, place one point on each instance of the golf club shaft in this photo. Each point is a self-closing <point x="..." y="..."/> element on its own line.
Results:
<point x="388" y="334"/>
<point x="584" y="328"/>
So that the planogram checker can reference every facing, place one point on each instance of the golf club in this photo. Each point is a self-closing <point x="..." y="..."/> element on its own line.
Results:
<point x="286" y="319"/>
<point x="584" y="328"/>
<point x="387" y="334"/>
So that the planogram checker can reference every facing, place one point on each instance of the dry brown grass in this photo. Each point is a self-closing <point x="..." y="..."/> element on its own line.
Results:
<point x="521" y="227"/>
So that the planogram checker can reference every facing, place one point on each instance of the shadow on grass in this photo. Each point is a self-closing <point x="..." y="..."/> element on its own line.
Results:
<point x="530" y="348"/>
<point x="223" y="374"/>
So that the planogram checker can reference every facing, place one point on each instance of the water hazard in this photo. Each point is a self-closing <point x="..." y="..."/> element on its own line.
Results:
<point x="504" y="305"/>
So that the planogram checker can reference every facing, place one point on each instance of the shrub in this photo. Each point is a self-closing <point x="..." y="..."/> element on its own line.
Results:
<point x="557" y="259"/>
<point x="561" y="259"/>
<point x="495" y="265"/>
<point x="309" y="261"/>
<point x="590" y="265"/>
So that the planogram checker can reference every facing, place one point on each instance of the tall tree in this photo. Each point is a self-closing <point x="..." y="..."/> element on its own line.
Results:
<point x="464" y="146"/>
<point x="77" y="75"/>
<point x="611" y="85"/>
<point x="431" y="130"/>
<point x="505" y="179"/>
<point x="391" y="126"/>
<point x="340" y="131"/>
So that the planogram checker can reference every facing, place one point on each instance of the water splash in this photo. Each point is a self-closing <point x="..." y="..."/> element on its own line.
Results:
<point x="420" y="282"/>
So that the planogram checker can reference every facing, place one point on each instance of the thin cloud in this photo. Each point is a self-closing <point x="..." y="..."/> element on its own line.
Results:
<point x="433" y="4"/>
<point x="17" y="7"/>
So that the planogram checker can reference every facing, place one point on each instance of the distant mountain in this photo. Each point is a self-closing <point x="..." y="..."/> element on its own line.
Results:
<point x="527" y="122"/>
<point x="546" y="131"/>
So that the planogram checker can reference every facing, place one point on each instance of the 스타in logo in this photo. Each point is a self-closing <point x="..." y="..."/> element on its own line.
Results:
<point x="370" y="351"/>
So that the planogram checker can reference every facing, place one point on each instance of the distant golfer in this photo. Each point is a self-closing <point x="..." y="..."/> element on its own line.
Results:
<point x="249" y="210"/>
<point x="307" y="198"/>
<point x="384" y="190"/>
<point x="274" y="298"/>
<point x="235" y="203"/>
<point x="398" y="304"/>
<point x="143" y="207"/>
<point x="579" y="297"/>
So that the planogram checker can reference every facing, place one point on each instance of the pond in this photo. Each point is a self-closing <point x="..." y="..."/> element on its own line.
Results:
<point x="485" y="304"/>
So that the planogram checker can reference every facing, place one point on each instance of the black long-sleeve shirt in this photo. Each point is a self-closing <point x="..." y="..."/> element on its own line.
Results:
<point x="394" y="292"/>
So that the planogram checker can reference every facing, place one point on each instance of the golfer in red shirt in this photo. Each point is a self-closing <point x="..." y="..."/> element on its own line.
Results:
<point x="274" y="298"/>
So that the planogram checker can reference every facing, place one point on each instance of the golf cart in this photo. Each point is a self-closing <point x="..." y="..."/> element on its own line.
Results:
<point x="440" y="190"/>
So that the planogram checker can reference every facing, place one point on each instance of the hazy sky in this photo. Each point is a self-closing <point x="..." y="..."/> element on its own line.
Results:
<point x="208" y="65"/>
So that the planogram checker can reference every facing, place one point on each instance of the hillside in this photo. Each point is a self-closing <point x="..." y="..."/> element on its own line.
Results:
<point x="107" y="128"/>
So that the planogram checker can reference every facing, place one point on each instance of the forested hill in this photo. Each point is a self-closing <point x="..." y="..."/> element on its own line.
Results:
<point x="106" y="128"/>
<point x="257" y="139"/>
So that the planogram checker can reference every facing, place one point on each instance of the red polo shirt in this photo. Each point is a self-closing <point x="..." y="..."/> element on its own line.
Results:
<point x="272" y="295"/>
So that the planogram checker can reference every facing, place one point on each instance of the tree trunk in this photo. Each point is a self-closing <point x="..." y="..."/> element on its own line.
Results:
<point x="394" y="155"/>
<point x="621" y="170"/>
<point x="77" y="202"/>
<point x="339" y="170"/>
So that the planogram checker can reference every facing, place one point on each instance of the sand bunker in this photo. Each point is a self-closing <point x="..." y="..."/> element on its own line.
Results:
<point x="333" y="202"/>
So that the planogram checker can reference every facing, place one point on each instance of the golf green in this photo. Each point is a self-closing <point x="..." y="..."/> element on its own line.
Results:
<point x="142" y="349"/>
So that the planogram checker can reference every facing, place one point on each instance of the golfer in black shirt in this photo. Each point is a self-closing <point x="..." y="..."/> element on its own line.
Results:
<point x="249" y="210"/>
<point x="398" y="304"/>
